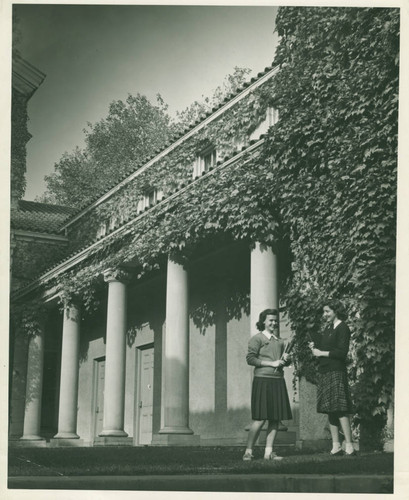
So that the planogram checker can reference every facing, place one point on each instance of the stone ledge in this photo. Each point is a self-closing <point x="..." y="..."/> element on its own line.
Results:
<point x="284" y="483"/>
<point x="175" y="440"/>
<point x="28" y="443"/>
<point x="113" y="441"/>
<point x="66" y="443"/>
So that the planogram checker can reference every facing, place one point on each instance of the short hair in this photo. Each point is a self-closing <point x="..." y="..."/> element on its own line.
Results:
<point x="337" y="306"/>
<point x="262" y="317"/>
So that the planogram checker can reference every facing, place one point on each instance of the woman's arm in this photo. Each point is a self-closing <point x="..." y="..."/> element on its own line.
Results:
<point x="253" y="352"/>
<point x="341" y="347"/>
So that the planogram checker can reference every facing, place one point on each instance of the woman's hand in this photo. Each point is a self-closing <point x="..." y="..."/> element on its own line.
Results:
<point x="311" y="345"/>
<point x="316" y="352"/>
<point x="278" y="363"/>
<point x="285" y="356"/>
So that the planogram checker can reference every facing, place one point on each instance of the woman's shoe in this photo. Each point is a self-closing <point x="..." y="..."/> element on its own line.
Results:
<point x="337" y="453"/>
<point x="351" y="454"/>
<point x="273" y="456"/>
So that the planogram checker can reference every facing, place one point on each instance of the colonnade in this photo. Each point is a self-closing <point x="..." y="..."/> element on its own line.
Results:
<point x="175" y="368"/>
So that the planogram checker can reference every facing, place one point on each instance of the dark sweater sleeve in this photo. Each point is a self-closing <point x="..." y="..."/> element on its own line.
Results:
<point x="341" y="347"/>
<point x="253" y="351"/>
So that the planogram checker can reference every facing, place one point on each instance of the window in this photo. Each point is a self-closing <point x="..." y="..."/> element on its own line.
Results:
<point x="112" y="222"/>
<point x="270" y="120"/>
<point x="102" y="230"/>
<point x="150" y="198"/>
<point x="205" y="161"/>
<point x="272" y="116"/>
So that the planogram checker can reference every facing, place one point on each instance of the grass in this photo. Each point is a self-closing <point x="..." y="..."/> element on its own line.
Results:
<point x="141" y="461"/>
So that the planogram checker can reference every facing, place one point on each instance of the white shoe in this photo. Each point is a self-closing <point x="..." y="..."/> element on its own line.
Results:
<point x="272" y="456"/>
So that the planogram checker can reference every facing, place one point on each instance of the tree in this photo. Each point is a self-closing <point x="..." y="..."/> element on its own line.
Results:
<point x="75" y="179"/>
<point x="333" y="158"/>
<point x="114" y="147"/>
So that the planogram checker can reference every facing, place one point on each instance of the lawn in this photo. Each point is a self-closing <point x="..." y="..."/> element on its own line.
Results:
<point x="141" y="461"/>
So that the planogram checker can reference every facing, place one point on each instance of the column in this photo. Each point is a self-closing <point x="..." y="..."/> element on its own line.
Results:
<point x="263" y="288"/>
<point x="175" y="403"/>
<point x="263" y="282"/>
<point x="67" y="416"/>
<point x="34" y="388"/>
<point x="114" y="393"/>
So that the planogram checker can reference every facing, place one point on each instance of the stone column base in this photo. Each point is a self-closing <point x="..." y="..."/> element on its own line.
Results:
<point x="113" y="433"/>
<point x="175" y="440"/>
<point x="65" y="443"/>
<point x="113" y="441"/>
<point x="28" y="443"/>
<point x="66" y="435"/>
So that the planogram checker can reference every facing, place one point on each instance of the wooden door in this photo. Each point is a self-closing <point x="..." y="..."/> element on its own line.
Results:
<point x="145" y="396"/>
<point x="99" y="396"/>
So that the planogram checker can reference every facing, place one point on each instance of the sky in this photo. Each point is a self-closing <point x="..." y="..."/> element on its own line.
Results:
<point x="94" y="54"/>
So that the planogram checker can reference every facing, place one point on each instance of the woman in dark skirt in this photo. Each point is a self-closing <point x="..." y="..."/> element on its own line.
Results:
<point x="269" y="398"/>
<point x="333" y="396"/>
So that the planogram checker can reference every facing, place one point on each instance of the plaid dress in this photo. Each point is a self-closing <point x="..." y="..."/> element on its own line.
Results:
<point x="333" y="393"/>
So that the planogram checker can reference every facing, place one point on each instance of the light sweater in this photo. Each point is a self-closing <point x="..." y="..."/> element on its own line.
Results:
<point x="262" y="348"/>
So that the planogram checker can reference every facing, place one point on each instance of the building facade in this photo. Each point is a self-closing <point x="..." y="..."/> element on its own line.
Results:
<point x="137" y="333"/>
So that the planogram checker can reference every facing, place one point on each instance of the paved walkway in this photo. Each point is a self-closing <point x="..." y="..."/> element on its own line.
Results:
<point x="298" y="483"/>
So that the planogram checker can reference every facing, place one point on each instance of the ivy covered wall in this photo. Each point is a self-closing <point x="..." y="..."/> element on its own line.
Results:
<point x="175" y="170"/>
<point x="19" y="139"/>
<point x="322" y="186"/>
<point x="32" y="257"/>
<point x="333" y="161"/>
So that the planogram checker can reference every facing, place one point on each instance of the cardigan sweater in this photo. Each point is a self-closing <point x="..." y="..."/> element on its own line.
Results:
<point x="261" y="348"/>
<point x="336" y="342"/>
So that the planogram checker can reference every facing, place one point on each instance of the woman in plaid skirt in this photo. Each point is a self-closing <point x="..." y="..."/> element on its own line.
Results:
<point x="333" y="396"/>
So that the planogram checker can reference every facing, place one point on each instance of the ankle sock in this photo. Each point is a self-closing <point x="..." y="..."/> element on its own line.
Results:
<point x="249" y="451"/>
<point x="349" y="448"/>
<point x="268" y="452"/>
<point x="336" y="447"/>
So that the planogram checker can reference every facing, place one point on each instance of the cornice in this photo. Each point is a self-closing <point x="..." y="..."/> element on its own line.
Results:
<point x="22" y="235"/>
<point x="25" y="77"/>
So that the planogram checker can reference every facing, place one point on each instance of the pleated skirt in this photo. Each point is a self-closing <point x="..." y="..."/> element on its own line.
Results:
<point x="333" y="393"/>
<point x="269" y="399"/>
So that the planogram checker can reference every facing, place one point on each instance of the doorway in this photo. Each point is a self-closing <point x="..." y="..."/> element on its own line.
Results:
<point x="144" y="395"/>
<point x="98" y="399"/>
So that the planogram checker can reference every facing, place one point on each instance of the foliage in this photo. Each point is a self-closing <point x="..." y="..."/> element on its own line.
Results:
<point x="174" y="171"/>
<point x="19" y="138"/>
<point x="73" y="179"/>
<point x="114" y="146"/>
<point x="27" y="319"/>
<point x="324" y="186"/>
<point x="16" y="34"/>
<point x="30" y="258"/>
<point x="333" y="157"/>
<point x="207" y="209"/>
<point x="198" y="109"/>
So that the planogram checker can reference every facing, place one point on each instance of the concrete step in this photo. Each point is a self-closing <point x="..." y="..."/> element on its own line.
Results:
<point x="283" y="437"/>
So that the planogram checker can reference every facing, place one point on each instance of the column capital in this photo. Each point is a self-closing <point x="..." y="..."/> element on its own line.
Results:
<point x="72" y="309"/>
<point x="116" y="274"/>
